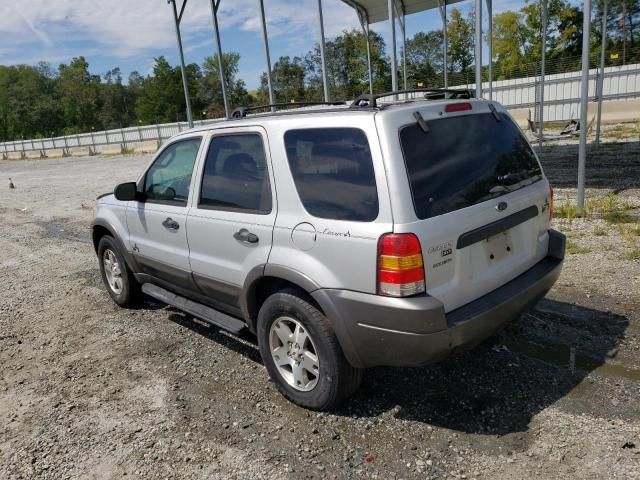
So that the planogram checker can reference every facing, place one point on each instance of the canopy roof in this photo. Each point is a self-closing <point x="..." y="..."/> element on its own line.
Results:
<point x="378" y="10"/>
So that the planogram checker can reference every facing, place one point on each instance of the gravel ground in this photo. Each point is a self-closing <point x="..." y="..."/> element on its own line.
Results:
<point x="89" y="390"/>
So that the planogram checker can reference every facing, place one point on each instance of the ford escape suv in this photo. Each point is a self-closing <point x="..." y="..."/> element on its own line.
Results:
<point x="381" y="233"/>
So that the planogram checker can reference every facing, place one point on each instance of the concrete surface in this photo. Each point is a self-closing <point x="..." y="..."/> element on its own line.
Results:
<point x="80" y="151"/>
<point x="14" y="155"/>
<point x="150" y="146"/>
<point x="110" y="149"/>
<point x="617" y="111"/>
<point x="55" y="153"/>
<point x="33" y="154"/>
<point x="521" y="116"/>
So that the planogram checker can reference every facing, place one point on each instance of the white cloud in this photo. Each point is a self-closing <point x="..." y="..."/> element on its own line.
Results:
<point x="127" y="28"/>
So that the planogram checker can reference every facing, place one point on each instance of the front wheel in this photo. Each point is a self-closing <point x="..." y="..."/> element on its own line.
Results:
<point x="302" y="354"/>
<point x="119" y="280"/>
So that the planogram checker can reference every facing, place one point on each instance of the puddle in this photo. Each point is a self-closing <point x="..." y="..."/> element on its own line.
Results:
<point x="56" y="229"/>
<point x="561" y="355"/>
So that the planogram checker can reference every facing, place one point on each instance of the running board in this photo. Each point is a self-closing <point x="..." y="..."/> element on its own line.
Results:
<point x="198" y="310"/>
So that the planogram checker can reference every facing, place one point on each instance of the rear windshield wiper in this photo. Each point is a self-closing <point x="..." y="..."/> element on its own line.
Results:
<point x="512" y="187"/>
<point x="494" y="112"/>
<point x="421" y="122"/>
<point x="516" y="176"/>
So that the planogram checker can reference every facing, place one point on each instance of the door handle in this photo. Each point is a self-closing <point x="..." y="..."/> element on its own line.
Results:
<point x="244" y="235"/>
<point x="170" y="224"/>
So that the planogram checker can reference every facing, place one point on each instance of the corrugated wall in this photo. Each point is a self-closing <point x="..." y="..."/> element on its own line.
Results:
<point x="562" y="91"/>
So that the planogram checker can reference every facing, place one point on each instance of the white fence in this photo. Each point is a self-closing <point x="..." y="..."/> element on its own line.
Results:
<point x="561" y="99"/>
<point x="562" y="91"/>
<point x="126" y="137"/>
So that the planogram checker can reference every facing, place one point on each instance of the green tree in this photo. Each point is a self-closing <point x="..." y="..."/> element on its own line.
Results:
<point x="210" y="90"/>
<point x="460" y="36"/>
<point x="161" y="96"/>
<point x="347" y="70"/>
<point x="424" y="59"/>
<point x="624" y="22"/>
<point x="287" y="78"/>
<point x="532" y="27"/>
<point x="509" y="40"/>
<point x="79" y="95"/>
<point x="117" y="102"/>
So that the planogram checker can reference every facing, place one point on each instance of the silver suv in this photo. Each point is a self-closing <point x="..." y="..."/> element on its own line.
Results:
<point x="344" y="237"/>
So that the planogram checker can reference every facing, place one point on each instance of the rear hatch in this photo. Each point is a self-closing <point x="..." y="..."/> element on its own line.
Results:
<point x="478" y="193"/>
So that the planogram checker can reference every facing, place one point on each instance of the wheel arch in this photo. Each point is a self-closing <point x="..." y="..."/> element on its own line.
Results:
<point x="101" y="228"/>
<point x="264" y="280"/>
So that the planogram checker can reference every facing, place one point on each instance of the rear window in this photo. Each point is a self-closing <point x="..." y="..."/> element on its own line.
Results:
<point x="465" y="160"/>
<point x="333" y="172"/>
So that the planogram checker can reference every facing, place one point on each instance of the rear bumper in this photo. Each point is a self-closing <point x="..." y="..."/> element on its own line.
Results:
<point x="415" y="331"/>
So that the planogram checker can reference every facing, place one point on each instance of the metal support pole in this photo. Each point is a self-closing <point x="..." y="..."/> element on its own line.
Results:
<point x="490" y="35"/>
<point x="394" y="60"/>
<point x="364" y="22"/>
<point x="325" y="81"/>
<point x="545" y="19"/>
<point x="214" y="15"/>
<point x="404" y="49"/>
<point x="183" y="70"/>
<point x="370" y="70"/>
<point x="584" y="103"/>
<point x="266" y="54"/>
<point x="445" y="42"/>
<point x="478" y="48"/>
<point x="601" y="76"/>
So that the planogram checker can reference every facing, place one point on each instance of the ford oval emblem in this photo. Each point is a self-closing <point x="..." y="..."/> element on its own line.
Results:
<point x="502" y="206"/>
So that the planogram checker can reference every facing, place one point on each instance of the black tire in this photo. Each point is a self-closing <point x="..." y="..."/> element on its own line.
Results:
<point x="337" y="379"/>
<point x="130" y="293"/>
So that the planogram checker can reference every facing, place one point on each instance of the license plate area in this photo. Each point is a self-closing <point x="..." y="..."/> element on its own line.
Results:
<point x="499" y="247"/>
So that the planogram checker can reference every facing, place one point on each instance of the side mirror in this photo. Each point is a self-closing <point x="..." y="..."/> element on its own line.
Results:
<point x="126" y="192"/>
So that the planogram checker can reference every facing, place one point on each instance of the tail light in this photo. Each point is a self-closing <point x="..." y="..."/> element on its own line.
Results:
<point x="400" y="267"/>
<point x="550" y="202"/>
<point x="457" y="107"/>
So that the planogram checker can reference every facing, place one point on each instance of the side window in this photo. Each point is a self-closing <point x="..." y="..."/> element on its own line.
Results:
<point x="333" y="172"/>
<point x="236" y="175"/>
<point x="169" y="177"/>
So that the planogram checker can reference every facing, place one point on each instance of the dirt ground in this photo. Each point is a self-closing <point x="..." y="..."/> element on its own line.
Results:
<point x="89" y="390"/>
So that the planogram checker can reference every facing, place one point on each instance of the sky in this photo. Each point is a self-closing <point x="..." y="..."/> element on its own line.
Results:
<point x="130" y="33"/>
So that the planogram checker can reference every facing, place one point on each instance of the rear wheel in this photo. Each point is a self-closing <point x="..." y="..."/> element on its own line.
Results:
<point x="302" y="354"/>
<point x="116" y="275"/>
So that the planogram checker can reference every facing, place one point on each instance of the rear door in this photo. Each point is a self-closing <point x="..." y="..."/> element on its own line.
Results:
<point x="478" y="197"/>
<point x="230" y="224"/>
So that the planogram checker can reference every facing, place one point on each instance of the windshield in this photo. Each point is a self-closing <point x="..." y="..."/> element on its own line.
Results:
<point x="464" y="160"/>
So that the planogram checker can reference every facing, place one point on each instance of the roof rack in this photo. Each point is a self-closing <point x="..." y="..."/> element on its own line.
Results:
<point x="370" y="101"/>
<point x="241" y="112"/>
